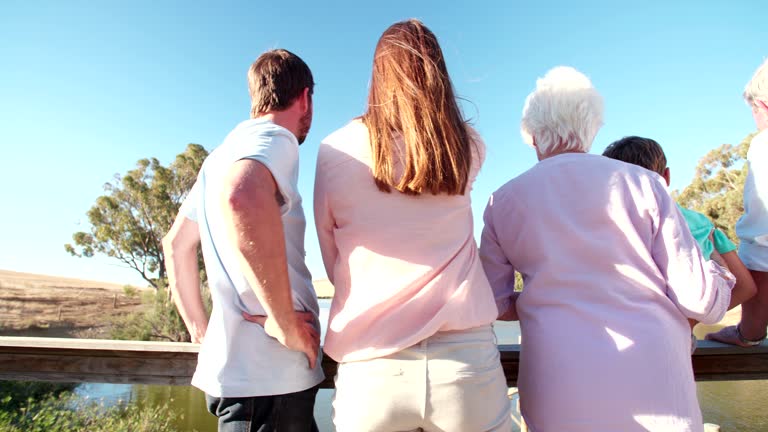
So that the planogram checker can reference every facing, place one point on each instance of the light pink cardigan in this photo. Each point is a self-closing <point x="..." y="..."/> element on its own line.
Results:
<point x="611" y="273"/>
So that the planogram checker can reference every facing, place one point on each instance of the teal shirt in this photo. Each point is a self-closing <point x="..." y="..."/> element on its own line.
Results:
<point x="701" y="226"/>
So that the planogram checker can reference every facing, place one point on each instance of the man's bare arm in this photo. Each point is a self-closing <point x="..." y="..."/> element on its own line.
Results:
<point x="180" y="250"/>
<point x="255" y="228"/>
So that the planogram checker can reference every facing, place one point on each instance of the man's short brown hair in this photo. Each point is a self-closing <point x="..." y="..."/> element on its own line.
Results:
<point x="276" y="79"/>
<point x="640" y="151"/>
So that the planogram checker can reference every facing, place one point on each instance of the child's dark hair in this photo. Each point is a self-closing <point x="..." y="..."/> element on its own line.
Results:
<point x="640" y="151"/>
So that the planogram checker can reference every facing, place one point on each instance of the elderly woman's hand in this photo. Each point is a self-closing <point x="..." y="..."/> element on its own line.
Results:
<point x="511" y="313"/>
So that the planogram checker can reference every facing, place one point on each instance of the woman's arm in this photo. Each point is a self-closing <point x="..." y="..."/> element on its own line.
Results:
<point x="324" y="222"/>
<point x="498" y="269"/>
<point x="701" y="289"/>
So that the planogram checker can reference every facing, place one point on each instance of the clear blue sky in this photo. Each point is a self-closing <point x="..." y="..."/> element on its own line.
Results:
<point x="88" y="88"/>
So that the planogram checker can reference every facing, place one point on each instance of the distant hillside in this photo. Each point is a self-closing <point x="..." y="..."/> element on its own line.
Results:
<point x="53" y="306"/>
<point x="28" y="280"/>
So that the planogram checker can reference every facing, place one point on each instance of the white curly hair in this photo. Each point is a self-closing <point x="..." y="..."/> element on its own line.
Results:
<point x="564" y="113"/>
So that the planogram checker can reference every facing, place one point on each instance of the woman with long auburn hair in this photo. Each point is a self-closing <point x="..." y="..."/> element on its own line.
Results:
<point x="410" y="322"/>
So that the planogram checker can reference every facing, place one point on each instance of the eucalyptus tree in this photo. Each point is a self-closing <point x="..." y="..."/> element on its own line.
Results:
<point x="129" y="221"/>
<point x="718" y="185"/>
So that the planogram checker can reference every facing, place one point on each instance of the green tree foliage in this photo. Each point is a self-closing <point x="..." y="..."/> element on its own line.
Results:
<point x="129" y="221"/>
<point x="518" y="282"/>
<point x="718" y="186"/>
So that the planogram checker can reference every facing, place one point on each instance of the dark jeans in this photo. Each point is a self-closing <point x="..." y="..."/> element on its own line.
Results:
<point x="291" y="412"/>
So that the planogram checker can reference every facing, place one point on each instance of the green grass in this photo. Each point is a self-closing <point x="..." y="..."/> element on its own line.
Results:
<point x="42" y="407"/>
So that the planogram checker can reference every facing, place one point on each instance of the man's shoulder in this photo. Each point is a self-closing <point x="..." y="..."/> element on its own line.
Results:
<point x="260" y="131"/>
<point x="258" y="139"/>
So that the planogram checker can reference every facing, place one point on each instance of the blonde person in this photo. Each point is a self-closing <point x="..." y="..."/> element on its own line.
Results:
<point x="611" y="273"/>
<point x="410" y="322"/>
<point x="752" y="227"/>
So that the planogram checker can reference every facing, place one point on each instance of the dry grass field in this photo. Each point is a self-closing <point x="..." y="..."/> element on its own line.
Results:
<point x="52" y="306"/>
<point x="39" y="305"/>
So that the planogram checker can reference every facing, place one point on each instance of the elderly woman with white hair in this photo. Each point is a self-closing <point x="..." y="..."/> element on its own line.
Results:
<point x="611" y="273"/>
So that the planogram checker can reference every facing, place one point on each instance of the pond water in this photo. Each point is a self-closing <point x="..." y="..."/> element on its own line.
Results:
<point x="737" y="406"/>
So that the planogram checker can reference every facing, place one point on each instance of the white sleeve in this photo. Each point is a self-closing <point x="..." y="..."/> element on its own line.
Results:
<point x="280" y="156"/>
<point x="191" y="203"/>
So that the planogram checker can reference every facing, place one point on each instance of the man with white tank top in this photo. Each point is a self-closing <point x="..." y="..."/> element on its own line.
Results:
<point x="259" y="361"/>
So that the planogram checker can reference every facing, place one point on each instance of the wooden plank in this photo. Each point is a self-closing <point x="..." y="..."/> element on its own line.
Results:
<point x="707" y="348"/>
<point x="713" y="361"/>
<point x="93" y="360"/>
<point x="97" y="344"/>
<point x="81" y="360"/>
<point x="510" y="361"/>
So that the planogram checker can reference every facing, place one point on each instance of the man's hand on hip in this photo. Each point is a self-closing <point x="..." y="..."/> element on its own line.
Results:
<point x="298" y="333"/>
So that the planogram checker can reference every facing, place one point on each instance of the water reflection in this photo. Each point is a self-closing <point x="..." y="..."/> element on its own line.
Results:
<point x="186" y="402"/>
<point x="735" y="405"/>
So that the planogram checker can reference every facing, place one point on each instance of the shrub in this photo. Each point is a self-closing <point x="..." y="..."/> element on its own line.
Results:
<point x="159" y="321"/>
<point x="66" y="413"/>
<point x="15" y="394"/>
<point x="130" y="291"/>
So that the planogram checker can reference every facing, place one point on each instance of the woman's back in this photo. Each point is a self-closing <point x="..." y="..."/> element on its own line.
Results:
<point x="410" y="319"/>
<point x="607" y="273"/>
<point x="405" y="266"/>
<point x="579" y="223"/>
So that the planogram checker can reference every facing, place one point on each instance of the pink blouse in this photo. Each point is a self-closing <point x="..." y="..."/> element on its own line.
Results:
<point x="404" y="267"/>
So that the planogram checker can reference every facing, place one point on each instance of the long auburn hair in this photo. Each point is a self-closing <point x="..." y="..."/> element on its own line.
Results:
<point x="411" y="95"/>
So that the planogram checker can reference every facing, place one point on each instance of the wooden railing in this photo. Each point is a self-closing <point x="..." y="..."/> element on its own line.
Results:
<point x="110" y="361"/>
